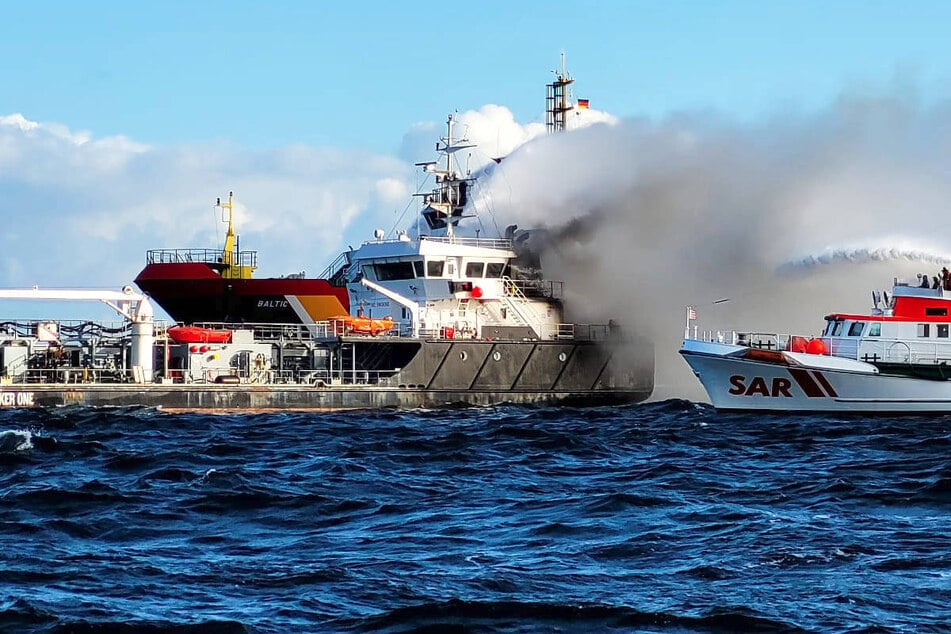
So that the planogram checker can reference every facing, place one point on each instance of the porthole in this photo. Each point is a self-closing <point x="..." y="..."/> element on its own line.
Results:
<point x="562" y="357"/>
<point x="497" y="355"/>
<point x="463" y="355"/>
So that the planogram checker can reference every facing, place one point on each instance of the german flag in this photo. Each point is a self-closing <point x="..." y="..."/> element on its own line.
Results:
<point x="583" y="104"/>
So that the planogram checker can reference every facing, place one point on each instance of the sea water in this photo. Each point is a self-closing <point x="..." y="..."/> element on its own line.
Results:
<point x="664" y="517"/>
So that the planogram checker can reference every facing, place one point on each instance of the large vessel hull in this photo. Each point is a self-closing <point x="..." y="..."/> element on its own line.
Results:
<point x="365" y="375"/>
<point x="784" y="382"/>
<point x="193" y="292"/>
<point x="292" y="398"/>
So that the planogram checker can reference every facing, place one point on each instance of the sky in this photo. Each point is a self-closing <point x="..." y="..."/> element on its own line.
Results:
<point x="784" y="154"/>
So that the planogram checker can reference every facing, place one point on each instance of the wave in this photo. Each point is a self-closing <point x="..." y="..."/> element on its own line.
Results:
<point x="15" y="440"/>
<point x="21" y="616"/>
<point x="513" y="616"/>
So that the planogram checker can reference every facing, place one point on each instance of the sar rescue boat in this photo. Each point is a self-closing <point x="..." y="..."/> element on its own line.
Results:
<point x="895" y="358"/>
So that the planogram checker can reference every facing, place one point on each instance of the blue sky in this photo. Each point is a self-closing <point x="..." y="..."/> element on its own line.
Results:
<point x="356" y="75"/>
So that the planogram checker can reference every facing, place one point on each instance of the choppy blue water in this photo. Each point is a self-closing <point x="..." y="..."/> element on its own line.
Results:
<point x="665" y="517"/>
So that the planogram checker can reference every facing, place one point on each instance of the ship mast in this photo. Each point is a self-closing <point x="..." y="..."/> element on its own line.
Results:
<point x="557" y="100"/>
<point x="230" y="255"/>
<point x="445" y="204"/>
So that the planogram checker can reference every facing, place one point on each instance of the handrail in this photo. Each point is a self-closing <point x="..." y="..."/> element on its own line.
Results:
<point x="489" y="243"/>
<point x="516" y="300"/>
<point x="202" y="256"/>
<point x="869" y="349"/>
<point x="338" y="263"/>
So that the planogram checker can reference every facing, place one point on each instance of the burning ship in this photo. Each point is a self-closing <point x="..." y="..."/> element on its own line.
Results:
<point x="425" y="321"/>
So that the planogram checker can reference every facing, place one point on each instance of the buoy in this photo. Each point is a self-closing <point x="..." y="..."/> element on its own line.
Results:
<point x="476" y="292"/>
<point x="816" y="346"/>
<point x="798" y="344"/>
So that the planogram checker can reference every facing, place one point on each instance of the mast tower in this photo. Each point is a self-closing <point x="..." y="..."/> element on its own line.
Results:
<point x="558" y="105"/>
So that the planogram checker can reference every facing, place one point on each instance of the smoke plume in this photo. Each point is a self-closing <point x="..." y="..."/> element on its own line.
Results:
<point x="790" y="219"/>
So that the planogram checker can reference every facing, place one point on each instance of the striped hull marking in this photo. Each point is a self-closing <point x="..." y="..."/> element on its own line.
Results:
<point x="813" y="383"/>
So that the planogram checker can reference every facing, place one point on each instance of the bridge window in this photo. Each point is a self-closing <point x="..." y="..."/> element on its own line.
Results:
<point x="418" y="268"/>
<point x="855" y="330"/>
<point x="829" y="326"/>
<point x="936" y="312"/>
<point x="434" y="268"/>
<point x="394" y="271"/>
<point x="875" y="330"/>
<point x="494" y="269"/>
<point x="475" y="269"/>
<point x="838" y="328"/>
<point x="942" y="331"/>
<point x="924" y="330"/>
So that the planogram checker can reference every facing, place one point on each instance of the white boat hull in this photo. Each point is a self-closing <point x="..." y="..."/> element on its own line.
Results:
<point x="800" y="382"/>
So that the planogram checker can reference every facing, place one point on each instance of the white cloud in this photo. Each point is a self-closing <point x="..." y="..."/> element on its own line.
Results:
<point x="82" y="211"/>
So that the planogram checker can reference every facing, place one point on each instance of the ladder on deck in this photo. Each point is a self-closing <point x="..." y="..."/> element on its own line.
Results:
<point x="521" y="306"/>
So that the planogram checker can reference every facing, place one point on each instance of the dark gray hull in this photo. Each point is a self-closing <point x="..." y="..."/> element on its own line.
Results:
<point x="270" y="398"/>
<point x="436" y="374"/>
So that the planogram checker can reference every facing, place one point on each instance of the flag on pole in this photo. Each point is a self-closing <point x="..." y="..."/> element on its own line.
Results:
<point x="691" y="313"/>
<point x="583" y="104"/>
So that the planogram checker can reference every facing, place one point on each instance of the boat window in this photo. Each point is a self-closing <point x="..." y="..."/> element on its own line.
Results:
<point x="475" y="269"/>
<point x="829" y="326"/>
<point x="924" y="330"/>
<point x="942" y="331"/>
<point x="838" y="328"/>
<point x="936" y="312"/>
<point x="855" y="330"/>
<point x="494" y="269"/>
<point x="434" y="268"/>
<point x="418" y="268"/>
<point x="875" y="330"/>
<point x="451" y="268"/>
<point x="394" y="271"/>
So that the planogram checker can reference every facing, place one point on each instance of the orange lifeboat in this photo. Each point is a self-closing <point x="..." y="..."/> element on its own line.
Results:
<point x="349" y="325"/>
<point x="194" y="334"/>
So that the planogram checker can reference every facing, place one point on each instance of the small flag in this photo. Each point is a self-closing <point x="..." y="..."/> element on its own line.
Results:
<point x="691" y="313"/>
<point x="583" y="104"/>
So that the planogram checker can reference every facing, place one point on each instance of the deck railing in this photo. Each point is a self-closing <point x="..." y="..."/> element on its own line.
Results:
<point x="868" y="349"/>
<point x="204" y="256"/>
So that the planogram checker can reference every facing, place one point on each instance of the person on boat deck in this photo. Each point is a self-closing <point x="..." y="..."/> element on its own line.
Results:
<point x="922" y="281"/>
<point x="946" y="278"/>
<point x="936" y="283"/>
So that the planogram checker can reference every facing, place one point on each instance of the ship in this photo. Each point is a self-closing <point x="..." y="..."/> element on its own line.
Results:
<point x="218" y="285"/>
<point x="403" y="321"/>
<point x="896" y="358"/>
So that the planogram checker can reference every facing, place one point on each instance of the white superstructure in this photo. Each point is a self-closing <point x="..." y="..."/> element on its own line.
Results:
<point x="447" y="285"/>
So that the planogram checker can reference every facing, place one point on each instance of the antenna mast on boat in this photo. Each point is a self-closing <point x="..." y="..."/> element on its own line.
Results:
<point x="445" y="204"/>
<point x="230" y="255"/>
<point x="557" y="102"/>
